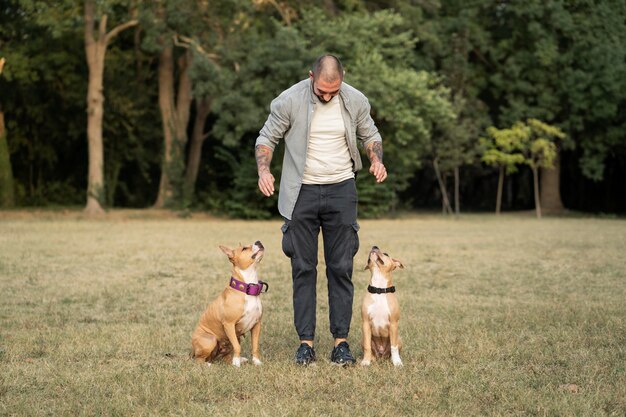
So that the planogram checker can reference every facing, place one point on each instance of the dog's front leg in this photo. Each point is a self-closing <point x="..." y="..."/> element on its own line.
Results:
<point x="255" y="334"/>
<point x="231" y="333"/>
<point x="394" y="339"/>
<point x="367" y="342"/>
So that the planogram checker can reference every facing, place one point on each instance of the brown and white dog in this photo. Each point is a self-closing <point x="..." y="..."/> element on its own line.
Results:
<point x="235" y="312"/>
<point x="380" y="311"/>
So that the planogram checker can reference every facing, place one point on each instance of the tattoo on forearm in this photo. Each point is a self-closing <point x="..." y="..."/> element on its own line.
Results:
<point x="375" y="152"/>
<point x="263" y="158"/>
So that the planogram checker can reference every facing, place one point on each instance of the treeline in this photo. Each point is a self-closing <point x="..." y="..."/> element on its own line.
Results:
<point x="131" y="103"/>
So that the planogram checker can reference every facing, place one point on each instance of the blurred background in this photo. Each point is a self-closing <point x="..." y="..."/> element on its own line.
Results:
<point x="482" y="105"/>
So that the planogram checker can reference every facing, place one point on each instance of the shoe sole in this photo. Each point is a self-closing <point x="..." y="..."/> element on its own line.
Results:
<point x="306" y="364"/>
<point x="342" y="364"/>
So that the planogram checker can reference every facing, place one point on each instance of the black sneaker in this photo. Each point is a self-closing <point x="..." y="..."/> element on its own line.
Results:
<point x="305" y="355"/>
<point x="341" y="355"/>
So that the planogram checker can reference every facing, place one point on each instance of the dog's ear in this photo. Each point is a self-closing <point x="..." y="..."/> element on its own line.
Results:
<point x="229" y="252"/>
<point x="398" y="263"/>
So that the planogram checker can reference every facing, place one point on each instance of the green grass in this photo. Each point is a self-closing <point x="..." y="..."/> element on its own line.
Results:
<point x="500" y="316"/>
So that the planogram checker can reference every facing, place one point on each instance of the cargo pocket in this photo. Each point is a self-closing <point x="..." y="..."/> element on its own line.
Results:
<point x="287" y="240"/>
<point x="355" y="230"/>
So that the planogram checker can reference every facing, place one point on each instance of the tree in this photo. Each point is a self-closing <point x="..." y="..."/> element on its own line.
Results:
<point x="530" y="143"/>
<point x="453" y="45"/>
<point x="7" y="198"/>
<point x="96" y="42"/>
<point x="170" y="28"/>
<point x="501" y="148"/>
<point x="540" y="152"/>
<point x="563" y="63"/>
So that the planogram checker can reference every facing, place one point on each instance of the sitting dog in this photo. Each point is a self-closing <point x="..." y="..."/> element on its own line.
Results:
<point x="236" y="311"/>
<point x="380" y="311"/>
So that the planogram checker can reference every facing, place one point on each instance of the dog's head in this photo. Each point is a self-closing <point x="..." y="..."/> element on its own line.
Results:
<point x="380" y="261"/>
<point x="244" y="257"/>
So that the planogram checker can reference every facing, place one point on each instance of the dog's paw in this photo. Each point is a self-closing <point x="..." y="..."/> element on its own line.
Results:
<point x="395" y="356"/>
<point x="256" y="361"/>
<point x="365" y="362"/>
<point x="237" y="361"/>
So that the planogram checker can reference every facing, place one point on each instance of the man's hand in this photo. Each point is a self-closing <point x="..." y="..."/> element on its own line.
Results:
<point x="263" y="156"/>
<point x="378" y="170"/>
<point x="266" y="183"/>
<point x="375" y="154"/>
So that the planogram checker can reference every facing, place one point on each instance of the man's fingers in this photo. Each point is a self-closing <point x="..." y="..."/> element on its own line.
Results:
<point x="266" y="184"/>
<point x="379" y="171"/>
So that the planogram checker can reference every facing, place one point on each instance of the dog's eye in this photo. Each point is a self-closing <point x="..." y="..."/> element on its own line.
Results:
<point x="386" y="254"/>
<point x="380" y="261"/>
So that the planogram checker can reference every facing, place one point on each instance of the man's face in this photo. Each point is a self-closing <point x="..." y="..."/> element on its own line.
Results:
<point x="324" y="90"/>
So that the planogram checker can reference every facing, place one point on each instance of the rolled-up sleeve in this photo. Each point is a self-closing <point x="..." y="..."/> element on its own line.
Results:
<point x="278" y="122"/>
<point x="366" y="130"/>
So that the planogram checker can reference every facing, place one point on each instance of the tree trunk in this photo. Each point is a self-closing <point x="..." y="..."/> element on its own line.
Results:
<point x="536" y="189"/>
<point x="550" y="191"/>
<point x="95" y="51"/>
<point x="444" y="194"/>
<point x="175" y="119"/>
<point x="499" y="194"/>
<point x="457" y="194"/>
<point x="203" y="108"/>
<point x="7" y="197"/>
<point x="168" y="120"/>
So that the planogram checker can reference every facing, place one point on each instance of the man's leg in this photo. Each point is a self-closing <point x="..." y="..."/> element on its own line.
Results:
<point x="341" y="242"/>
<point x="300" y="243"/>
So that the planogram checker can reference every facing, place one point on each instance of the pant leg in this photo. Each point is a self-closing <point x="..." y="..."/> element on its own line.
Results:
<point x="300" y="243"/>
<point x="341" y="242"/>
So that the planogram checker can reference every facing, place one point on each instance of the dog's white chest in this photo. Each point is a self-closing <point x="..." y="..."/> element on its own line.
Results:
<point x="379" y="312"/>
<point x="252" y="311"/>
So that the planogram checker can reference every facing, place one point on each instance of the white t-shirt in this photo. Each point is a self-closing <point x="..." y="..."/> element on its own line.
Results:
<point x="328" y="158"/>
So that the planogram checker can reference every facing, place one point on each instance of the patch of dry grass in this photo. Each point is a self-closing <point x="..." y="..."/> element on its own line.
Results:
<point x="508" y="316"/>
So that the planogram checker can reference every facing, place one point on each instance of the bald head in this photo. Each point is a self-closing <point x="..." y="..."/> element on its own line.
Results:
<point x="327" y="68"/>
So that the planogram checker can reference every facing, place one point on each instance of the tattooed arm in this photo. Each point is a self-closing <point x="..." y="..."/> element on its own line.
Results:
<point x="266" y="179"/>
<point x="375" y="154"/>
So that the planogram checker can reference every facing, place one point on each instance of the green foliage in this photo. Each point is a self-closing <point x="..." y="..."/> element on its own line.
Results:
<point x="563" y="62"/>
<point x="42" y="92"/>
<point x="243" y="199"/>
<point x="541" y="149"/>
<point x="436" y="73"/>
<point x="504" y="147"/>
<point x="531" y="143"/>
<point x="375" y="200"/>
<point x="407" y="104"/>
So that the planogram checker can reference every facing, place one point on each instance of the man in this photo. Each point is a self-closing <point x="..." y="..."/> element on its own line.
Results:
<point x="320" y="118"/>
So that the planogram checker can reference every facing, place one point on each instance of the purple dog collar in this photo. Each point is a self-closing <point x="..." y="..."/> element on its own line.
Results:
<point x="250" y="289"/>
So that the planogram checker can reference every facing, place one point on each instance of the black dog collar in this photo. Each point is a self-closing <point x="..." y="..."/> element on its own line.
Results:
<point x="375" y="290"/>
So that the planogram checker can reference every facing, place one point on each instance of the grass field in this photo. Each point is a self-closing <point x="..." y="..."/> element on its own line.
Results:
<point x="500" y="316"/>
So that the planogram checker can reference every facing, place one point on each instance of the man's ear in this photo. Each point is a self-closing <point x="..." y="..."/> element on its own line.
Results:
<point x="398" y="263"/>
<point x="229" y="252"/>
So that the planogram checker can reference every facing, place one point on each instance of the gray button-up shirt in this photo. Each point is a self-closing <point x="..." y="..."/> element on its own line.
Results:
<point x="290" y="119"/>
